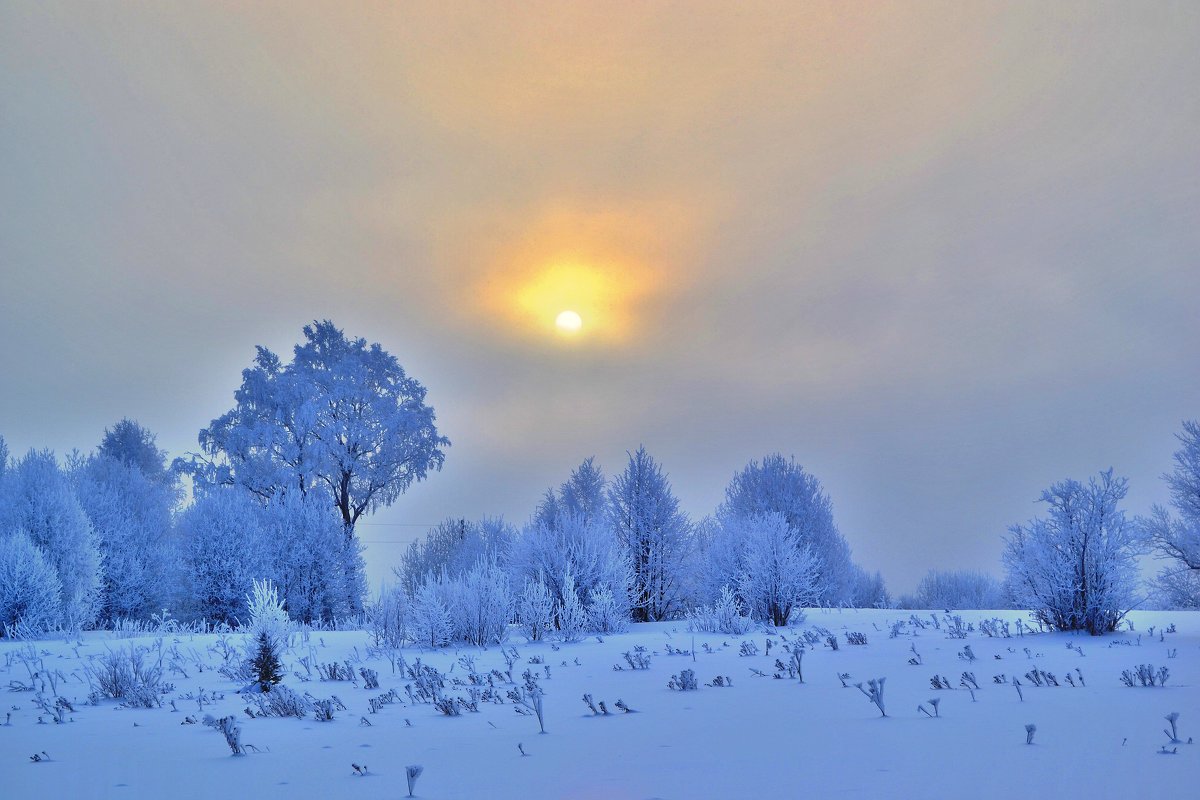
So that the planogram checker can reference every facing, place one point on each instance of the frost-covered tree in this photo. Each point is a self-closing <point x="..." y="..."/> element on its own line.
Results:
<point x="535" y="610"/>
<point x="316" y="568"/>
<point x="224" y="551"/>
<point x="583" y="547"/>
<point x="653" y="533"/>
<point x="605" y="614"/>
<point x="781" y="486"/>
<point x="429" y="619"/>
<point x="778" y="573"/>
<point x="959" y="589"/>
<point x="454" y="546"/>
<point x="869" y="590"/>
<point x="3" y="457"/>
<point x="1176" y="537"/>
<point x="387" y="617"/>
<point x="342" y="415"/>
<point x="1177" y="588"/>
<point x="130" y="444"/>
<point x="36" y="498"/>
<point x="572" y="616"/>
<point x="1076" y="568"/>
<point x="481" y="604"/>
<point x="581" y="496"/>
<point x="30" y="592"/>
<point x="267" y="615"/>
<point x="131" y="513"/>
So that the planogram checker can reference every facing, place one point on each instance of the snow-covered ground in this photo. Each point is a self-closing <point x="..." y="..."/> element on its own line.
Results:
<point x="761" y="737"/>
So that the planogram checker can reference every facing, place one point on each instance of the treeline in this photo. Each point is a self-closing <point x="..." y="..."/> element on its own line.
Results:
<point x="102" y="539"/>
<point x="597" y="554"/>
<point x="341" y="430"/>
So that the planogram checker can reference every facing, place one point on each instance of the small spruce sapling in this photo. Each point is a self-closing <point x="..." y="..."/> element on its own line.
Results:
<point x="265" y="664"/>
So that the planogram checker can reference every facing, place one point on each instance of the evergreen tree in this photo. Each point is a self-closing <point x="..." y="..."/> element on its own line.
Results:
<point x="265" y="665"/>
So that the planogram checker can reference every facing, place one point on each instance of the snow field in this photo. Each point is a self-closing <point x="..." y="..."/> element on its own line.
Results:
<point x="761" y="737"/>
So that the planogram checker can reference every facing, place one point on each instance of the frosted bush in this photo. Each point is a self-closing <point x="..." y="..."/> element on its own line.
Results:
<point x="132" y="676"/>
<point x="279" y="702"/>
<point x="430" y="621"/>
<point x="723" y="616"/>
<point x="572" y="618"/>
<point x="685" y="681"/>
<point x="229" y="728"/>
<point x="481" y="604"/>
<point x="388" y="618"/>
<point x="535" y="610"/>
<point x="605" y="614"/>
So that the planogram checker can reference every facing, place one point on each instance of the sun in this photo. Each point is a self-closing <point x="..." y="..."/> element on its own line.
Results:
<point x="568" y="321"/>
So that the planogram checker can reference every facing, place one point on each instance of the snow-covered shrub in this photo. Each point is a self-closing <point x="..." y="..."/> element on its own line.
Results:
<point x="723" y="616"/>
<point x="530" y="697"/>
<point x="335" y="671"/>
<point x="685" y="681"/>
<point x="280" y="701"/>
<point x="481" y="605"/>
<point x="132" y="675"/>
<point x="572" y="617"/>
<point x="605" y="614"/>
<point x="30" y="592"/>
<point x="1145" y="675"/>
<point x="429" y="621"/>
<point x="1076" y="569"/>
<point x="387" y="618"/>
<point x="638" y="658"/>
<point x="323" y="710"/>
<point x="229" y="728"/>
<point x="535" y="610"/>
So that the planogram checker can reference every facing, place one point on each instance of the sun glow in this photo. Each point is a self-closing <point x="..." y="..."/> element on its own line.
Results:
<point x="609" y="267"/>
<point x="568" y="322"/>
<point x="567" y="293"/>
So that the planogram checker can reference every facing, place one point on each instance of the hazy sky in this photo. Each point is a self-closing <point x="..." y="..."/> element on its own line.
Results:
<point x="943" y="253"/>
